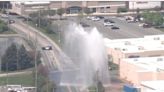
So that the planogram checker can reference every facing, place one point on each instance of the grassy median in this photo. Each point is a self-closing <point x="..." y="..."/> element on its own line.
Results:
<point x="21" y="79"/>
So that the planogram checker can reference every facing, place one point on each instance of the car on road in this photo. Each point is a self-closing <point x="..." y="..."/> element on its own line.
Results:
<point x="108" y="24"/>
<point x="115" y="27"/>
<point x="47" y="48"/>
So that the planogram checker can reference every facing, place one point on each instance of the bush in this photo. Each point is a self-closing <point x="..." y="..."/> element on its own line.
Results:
<point x="3" y="27"/>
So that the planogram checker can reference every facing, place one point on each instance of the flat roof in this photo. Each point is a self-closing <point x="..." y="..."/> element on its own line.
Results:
<point x="147" y="43"/>
<point x="32" y="2"/>
<point x="39" y="2"/>
<point x="146" y="64"/>
<point x="156" y="85"/>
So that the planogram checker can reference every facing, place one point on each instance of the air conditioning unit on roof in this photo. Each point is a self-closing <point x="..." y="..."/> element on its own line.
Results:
<point x="159" y="59"/>
<point x="127" y="43"/>
<point x="156" y="38"/>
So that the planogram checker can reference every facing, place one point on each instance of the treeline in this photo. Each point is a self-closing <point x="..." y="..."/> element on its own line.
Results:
<point x="18" y="58"/>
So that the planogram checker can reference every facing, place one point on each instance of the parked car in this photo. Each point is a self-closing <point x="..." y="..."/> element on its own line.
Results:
<point x="114" y="27"/>
<point x="108" y="20"/>
<point x="100" y="17"/>
<point x="11" y="21"/>
<point x="90" y="17"/>
<point x="84" y="24"/>
<point x="95" y="18"/>
<point x="145" y="25"/>
<point x="47" y="48"/>
<point x="108" y="24"/>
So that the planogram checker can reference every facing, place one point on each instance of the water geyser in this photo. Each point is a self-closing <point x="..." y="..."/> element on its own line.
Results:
<point x="87" y="52"/>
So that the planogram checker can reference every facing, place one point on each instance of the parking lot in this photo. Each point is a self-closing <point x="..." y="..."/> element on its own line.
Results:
<point x="126" y="30"/>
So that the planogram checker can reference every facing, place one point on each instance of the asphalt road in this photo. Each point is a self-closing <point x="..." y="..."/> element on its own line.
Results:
<point x="127" y="30"/>
<point x="54" y="59"/>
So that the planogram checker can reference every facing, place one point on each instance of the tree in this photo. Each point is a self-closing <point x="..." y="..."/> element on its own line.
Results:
<point x="15" y="58"/>
<point x="158" y="19"/>
<point x="60" y="12"/>
<point x="24" y="60"/>
<point x="9" y="59"/>
<point x="153" y="18"/>
<point x="100" y="87"/>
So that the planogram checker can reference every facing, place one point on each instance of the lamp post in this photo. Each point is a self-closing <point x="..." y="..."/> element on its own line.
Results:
<point x="36" y="72"/>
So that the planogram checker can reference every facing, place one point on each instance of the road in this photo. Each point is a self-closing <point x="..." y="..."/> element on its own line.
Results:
<point x="54" y="59"/>
<point x="127" y="30"/>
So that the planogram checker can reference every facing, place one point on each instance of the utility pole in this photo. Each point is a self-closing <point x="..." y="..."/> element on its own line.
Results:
<point x="39" y="17"/>
<point x="35" y="59"/>
<point x="6" y="67"/>
<point x="0" y="63"/>
<point x="6" y="44"/>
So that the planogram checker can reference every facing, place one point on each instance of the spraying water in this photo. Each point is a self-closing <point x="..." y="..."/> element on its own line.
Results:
<point x="84" y="62"/>
<point x="87" y="52"/>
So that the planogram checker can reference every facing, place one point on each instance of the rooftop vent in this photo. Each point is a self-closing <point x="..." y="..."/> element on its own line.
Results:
<point x="124" y="49"/>
<point x="159" y="70"/>
<point x="127" y="43"/>
<point x="156" y="38"/>
<point x="159" y="59"/>
<point x="135" y="59"/>
<point x="117" y="48"/>
<point x="140" y="48"/>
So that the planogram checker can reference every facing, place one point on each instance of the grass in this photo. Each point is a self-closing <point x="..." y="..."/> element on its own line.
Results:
<point x="92" y="89"/>
<point x="23" y="79"/>
<point x="53" y="36"/>
<point x="9" y="32"/>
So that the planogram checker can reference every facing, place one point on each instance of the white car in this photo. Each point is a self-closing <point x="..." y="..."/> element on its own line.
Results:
<point x="89" y="18"/>
<point x="95" y="19"/>
<point x="47" y="48"/>
<point x="108" y="24"/>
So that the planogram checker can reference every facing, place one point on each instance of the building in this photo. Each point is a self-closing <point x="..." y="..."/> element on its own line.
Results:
<point x="135" y="47"/>
<point x="5" y="5"/>
<point x="71" y="7"/>
<point x="133" y="5"/>
<point x="152" y="86"/>
<point x="136" y="70"/>
<point x="25" y="8"/>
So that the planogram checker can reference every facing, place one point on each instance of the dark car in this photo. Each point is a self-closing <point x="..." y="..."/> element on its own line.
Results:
<point x="27" y="19"/>
<point x="114" y="27"/>
<point x="108" y="20"/>
<point x="84" y="24"/>
<point x="47" y="48"/>
<point x="100" y="17"/>
<point x="145" y="25"/>
<point x="11" y="21"/>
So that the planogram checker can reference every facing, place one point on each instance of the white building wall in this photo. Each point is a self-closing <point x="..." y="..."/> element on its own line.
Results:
<point x="144" y="4"/>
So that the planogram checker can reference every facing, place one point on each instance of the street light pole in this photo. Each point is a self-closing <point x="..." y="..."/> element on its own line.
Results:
<point x="36" y="72"/>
